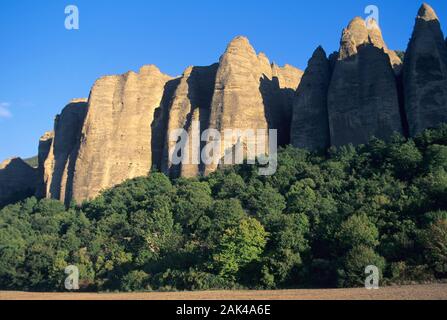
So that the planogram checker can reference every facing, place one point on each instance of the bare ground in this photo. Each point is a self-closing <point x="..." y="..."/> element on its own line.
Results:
<point x="415" y="292"/>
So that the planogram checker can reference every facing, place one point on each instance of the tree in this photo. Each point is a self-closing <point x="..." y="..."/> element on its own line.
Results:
<point x="352" y="272"/>
<point x="302" y="198"/>
<point x="192" y="202"/>
<point x="436" y="157"/>
<point x="135" y="281"/>
<point x="406" y="158"/>
<point x="435" y="244"/>
<point x="238" y="247"/>
<point x="358" y="230"/>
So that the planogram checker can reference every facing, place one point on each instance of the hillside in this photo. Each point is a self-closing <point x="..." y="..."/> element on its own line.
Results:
<point x="317" y="222"/>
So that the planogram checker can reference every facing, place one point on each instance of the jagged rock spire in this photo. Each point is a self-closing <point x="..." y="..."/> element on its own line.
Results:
<point x="310" y="127"/>
<point x="363" y="97"/>
<point x="251" y="93"/>
<point x="360" y="32"/>
<point x="427" y="13"/>
<point x="425" y="73"/>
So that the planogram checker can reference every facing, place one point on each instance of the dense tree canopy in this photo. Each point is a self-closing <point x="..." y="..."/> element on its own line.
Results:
<point x="318" y="222"/>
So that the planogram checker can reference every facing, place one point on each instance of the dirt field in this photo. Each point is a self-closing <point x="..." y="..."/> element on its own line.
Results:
<point x="417" y="292"/>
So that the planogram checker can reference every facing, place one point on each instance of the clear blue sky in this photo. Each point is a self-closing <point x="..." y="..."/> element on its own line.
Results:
<point x="43" y="66"/>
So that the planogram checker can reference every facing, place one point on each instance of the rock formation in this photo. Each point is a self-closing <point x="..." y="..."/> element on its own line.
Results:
<point x="363" y="97"/>
<point x="191" y="105"/>
<point x="425" y="73"/>
<point x="376" y="38"/>
<point x="116" y="140"/>
<point x="123" y="130"/>
<point x="310" y="126"/>
<point x="44" y="149"/>
<point x="17" y="181"/>
<point x="248" y="92"/>
<point x="60" y="158"/>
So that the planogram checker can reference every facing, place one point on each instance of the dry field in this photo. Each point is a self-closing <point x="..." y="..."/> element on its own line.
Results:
<point x="415" y="292"/>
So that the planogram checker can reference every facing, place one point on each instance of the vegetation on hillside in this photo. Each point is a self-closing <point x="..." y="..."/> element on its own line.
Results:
<point x="318" y="222"/>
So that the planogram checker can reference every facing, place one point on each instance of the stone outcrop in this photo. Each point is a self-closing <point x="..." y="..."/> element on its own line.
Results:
<point x="310" y="126"/>
<point x="116" y="140"/>
<point x="248" y="92"/>
<point x="363" y="97"/>
<point x="17" y="181"/>
<point x="44" y="149"/>
<point x="376" y="38"/>
<point x="190" y="106"/>
<point x="425" y="73"/>
<point x="123" y="130"/>
<point x="60" y="159"/>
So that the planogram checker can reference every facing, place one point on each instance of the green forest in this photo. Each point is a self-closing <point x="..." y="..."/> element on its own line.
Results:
<point x="318" y="222"/>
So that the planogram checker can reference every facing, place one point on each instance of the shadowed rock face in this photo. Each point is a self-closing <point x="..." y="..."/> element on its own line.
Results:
<point x="250" y="93"/>
<point x="363" y="97"/>
<point x="58" y="162"/>
<point x="45" y="143"/>
<point x="17" y="181"/>
<point x="116" y="142"/>
<point x="278" y="93"/>
<point x="191" y="104"/>
<point x="310" y="126"/>
<point x="425" y="73"/>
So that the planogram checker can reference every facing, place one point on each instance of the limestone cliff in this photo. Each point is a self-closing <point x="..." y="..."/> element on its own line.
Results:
<point x="248" y="92"/>
<point x="122" y="131"/>
<point x="58" y="166"/>
<point x="191" y="105"/>
<point x="44" y="148"/>
<point x="425" y="73"/>
<point x="363" y="97"/>
<point x="116" y="138"/>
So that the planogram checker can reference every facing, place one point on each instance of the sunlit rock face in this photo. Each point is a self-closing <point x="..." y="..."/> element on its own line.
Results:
<point x="190" y="111"/>
<point x="251" y="93"/>
<point x="122" y="130"/>
<point x="123" y="115"/>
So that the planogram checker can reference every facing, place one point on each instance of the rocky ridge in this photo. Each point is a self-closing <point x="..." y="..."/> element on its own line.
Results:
<point x="122" y="130"/>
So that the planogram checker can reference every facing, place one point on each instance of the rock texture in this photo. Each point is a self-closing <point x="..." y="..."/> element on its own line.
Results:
<point x="310" y="125"/>
<point x="251" y="93"/>
<point x="116" y="139"/>
<point x="123" y="130"/>
<point x="363" y="97"/>
<point x="190" y="106"/>
<point x="44" y="149"/>
<point x="60" y="159"/>
<point x="425" y="73"/>
<point x="17" y="181"/>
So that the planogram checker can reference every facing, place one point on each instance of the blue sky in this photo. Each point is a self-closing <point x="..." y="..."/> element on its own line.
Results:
<point x="43" y="65"/>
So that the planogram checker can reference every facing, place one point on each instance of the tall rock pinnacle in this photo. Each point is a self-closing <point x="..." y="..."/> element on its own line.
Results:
<point x="191" y="104"/>
<point x="363" y="97"/>
<point x="425" y="73"/>
<point x="310" y="126"/>
<point x="59" y="160"/>
<point x="116" y="142"/>
<point x="251" y="93"/>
